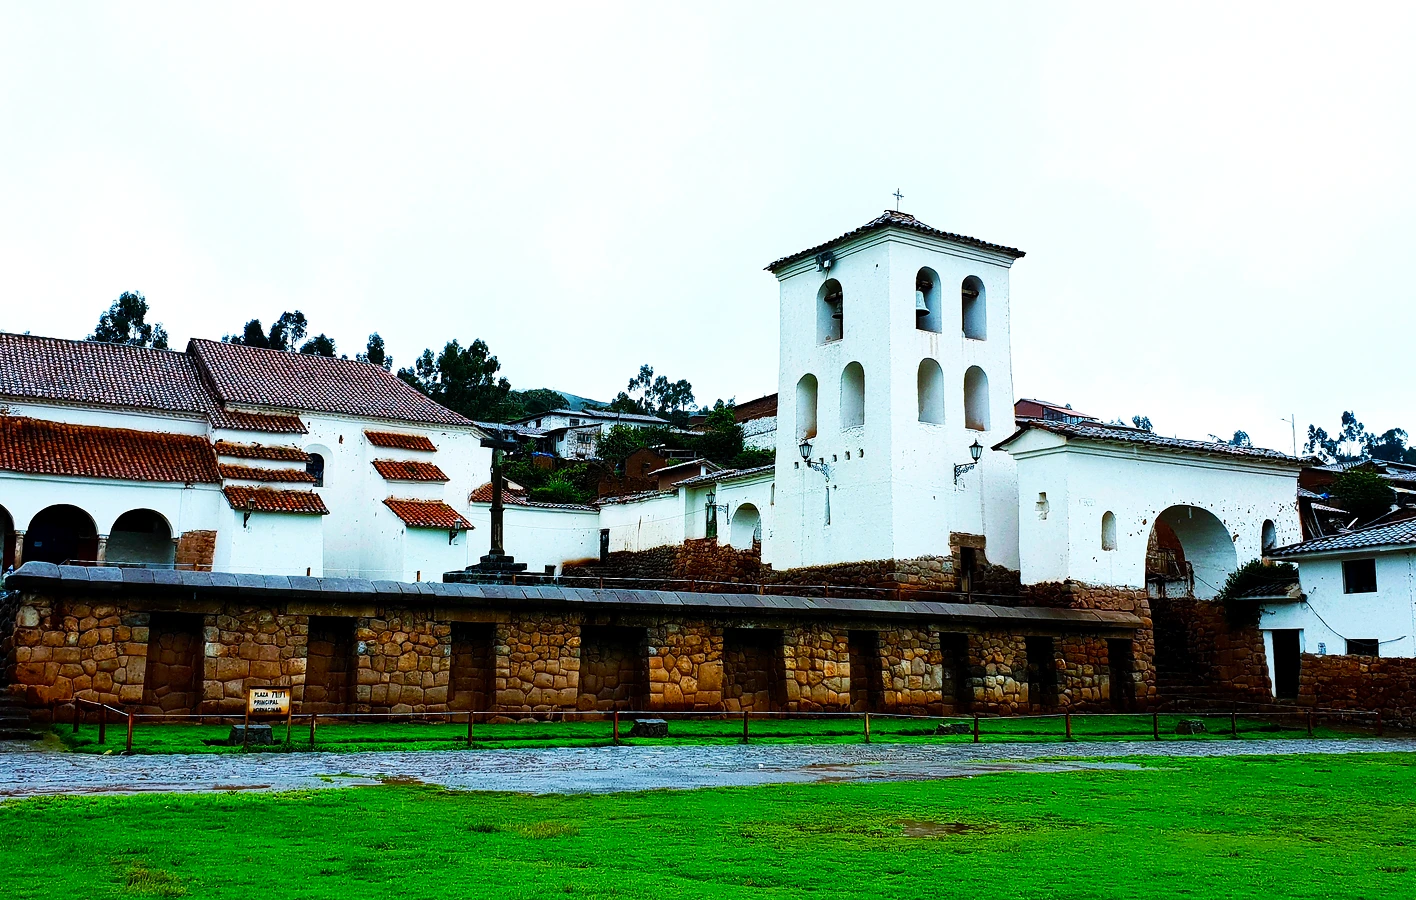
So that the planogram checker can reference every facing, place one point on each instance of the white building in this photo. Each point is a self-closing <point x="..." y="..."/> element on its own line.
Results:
<point x="575" y="434"/>
<point x="1358" y="598"/>
<point x="229" y="457"/>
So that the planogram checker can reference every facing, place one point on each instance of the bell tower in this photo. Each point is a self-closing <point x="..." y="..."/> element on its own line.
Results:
<point x="894" y="361"/>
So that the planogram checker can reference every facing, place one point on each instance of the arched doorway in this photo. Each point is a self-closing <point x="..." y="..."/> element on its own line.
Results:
<point x="141" y="537"/>
<point x="1190" y="552"/>
<point x="746" y="529"/>
<point x="61" y="533"/>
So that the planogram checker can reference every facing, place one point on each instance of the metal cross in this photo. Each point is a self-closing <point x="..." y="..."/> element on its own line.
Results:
<point x="898" y="197"/>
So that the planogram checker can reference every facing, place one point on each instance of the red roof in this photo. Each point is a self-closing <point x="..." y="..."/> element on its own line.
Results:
<point x="894" y="219"/>
<point x="96" y="373"/>
<point x="251" y="376"/>
<point x="271" y="500"/>
<point x="512" y="496"/>
<point x="400" y="441"/>
<point x="56" y="448"/>
<point x="408" y="470"/>
<point x="427" y="514"/>
<point x="250" y="473"/>
<point x="261" y="451"/>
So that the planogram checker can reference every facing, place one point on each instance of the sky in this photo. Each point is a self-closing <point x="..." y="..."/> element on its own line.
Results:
<point x="1217" y="200"/>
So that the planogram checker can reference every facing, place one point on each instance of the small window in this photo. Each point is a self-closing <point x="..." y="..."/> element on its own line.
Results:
<point x="1269" y="536"/>
<point x="316" y="467"/>
<point x="1359" y="576"/>
<point x="1108" y="530"/>
<point x="574" y="421"/>
<point x="830" y="312"/>
<point x="1363" y="647"/>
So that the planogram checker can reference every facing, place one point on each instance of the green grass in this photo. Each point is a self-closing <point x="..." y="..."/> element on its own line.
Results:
<point x="154" y="737"/>
<point x="1268" y="826"/>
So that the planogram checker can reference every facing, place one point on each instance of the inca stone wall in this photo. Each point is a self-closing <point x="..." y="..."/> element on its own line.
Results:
<point x="1367" y="683"/>
<point x="201" y="656"/>
<point x="1200" y="654"/>
<point x="196" y="549"/>
<point x="1142" y="689"/>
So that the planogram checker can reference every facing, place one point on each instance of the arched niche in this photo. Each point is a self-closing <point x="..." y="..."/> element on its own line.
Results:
<point x="806" y="406"/>
<point x="1268" y="536"/>
<point x="1108" y="530"/>
<point x="830" y="312"/>
<point x="141" y="537"/>
<point x="976" y="414"/>
<point x="929" y="384"/>
<point x="746" y="530"/>
<point x="853" y="396"/>
<point x="928" y="308"/>
<point x="974" y="308"/>
<point x="59" y="534"/>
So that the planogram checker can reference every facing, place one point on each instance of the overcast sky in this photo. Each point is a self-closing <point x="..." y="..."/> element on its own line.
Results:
<point x="1217" y="203"/>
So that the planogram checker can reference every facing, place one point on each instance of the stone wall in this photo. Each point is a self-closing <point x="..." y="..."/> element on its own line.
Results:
<point x="1360" y="683"/>
<point x="694" y="560"/>
<point x="1200" y="654"/>
<point x="1144" y="689"/>
<point x="143" y="652"/>
<point x="196" y="549"/>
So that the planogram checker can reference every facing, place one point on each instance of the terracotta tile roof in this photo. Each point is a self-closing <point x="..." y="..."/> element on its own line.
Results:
<point x="892" y="219"/>
<point x="1119" y="434"/>
<point x="42" y="447"/>
<point x="400" y="441"/>
<point x="271" y="500"/>
<point x="261" y="451"/>
<point x="237" y="420"/>
<point x="514" y="495"/>
<point x="95" y="373"/>
<point x="728" y="475"/>
<point x="408" y="470"/>
<point x="427" y="514"/>
<point x="252" y="376"/>
<point x="250" y="473"/>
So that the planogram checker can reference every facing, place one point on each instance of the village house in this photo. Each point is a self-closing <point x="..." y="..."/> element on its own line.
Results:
<point x="575" y="434"/>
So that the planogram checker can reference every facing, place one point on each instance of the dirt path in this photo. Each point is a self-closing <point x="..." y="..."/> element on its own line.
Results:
<point x="603" y="770"/>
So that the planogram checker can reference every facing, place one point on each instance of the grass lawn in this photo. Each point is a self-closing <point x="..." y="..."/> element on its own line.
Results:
<point x="1269" y="827"/>
<point x="154" y="737"/>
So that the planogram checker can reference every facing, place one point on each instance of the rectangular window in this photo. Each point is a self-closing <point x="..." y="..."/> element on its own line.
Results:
<point x="1359" y="576"/>
<point x="1362" y="647"/>
<point x="574" y="421"/>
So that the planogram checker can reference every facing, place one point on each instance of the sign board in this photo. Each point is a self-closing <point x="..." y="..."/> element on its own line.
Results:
<point x="268" y="701"/>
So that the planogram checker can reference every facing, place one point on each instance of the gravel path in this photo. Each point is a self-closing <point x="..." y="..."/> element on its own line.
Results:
<point x="604" y="770"/>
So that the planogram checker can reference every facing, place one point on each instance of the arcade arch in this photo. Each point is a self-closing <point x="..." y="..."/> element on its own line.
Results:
<point x="61" y="533"/>
<point x="141" y="537"/>
<point x="1189" y="545"/>
<point x="746" y="530"/>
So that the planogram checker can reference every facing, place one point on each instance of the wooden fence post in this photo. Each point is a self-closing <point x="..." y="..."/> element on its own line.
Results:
<point x="129" y="749"/>
<point x="1155" y="725"/>
<point x="312" y="729"/>
<point x="867" y="727"/>
<point x="744" y="726"/>
<point x="975" y="734"/>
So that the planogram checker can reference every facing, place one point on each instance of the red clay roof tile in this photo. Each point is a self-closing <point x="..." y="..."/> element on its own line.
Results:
<point x="400" y="441"/>
<point x="56" y="448"/>
<point x="261" y="451"/>
<point x="408" y="470"/>
<point x="427" y="514"/>
<point x="251" y="473"/>
<point x="271" y="500"/>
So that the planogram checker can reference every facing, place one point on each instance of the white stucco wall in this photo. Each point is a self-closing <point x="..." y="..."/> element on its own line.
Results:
<point x="640" y="525"/>
<point x="1328" y="617"/>
<point x="1083" y="481"/>
<point x="897" y="498"/>
<point x="537" y="536"/>
<point x="270" y="544"/>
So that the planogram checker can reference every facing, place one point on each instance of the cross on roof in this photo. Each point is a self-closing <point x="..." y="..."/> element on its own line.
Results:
<point x="898" y="197"/>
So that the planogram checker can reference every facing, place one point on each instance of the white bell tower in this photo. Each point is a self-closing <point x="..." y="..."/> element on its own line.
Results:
<point x="894" y="360"/>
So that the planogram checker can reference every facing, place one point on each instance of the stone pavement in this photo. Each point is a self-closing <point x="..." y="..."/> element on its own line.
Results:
<point x="609" y="769"/>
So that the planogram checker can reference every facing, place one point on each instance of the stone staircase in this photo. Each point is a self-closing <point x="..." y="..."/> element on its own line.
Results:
<point x="15" y="720"/>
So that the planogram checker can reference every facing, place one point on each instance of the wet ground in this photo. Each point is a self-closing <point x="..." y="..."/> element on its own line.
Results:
<point x="35" y="771"/>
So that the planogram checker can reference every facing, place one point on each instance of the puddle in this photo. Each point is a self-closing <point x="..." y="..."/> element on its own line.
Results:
<point x="922" y="829"/>
<point x="399" y="779"/>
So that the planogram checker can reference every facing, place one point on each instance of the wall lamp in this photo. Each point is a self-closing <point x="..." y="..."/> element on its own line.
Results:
<point x="250" y="508"/>
<point x="711" y="512"/>
<point x="805" y="449"/>
<point x="975" y="451"/>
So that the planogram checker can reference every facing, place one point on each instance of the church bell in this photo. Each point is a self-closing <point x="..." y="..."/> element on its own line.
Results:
<point x="921" y="307"/>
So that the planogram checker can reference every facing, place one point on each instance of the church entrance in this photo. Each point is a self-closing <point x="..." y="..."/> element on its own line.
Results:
<point x="867" y="683"/>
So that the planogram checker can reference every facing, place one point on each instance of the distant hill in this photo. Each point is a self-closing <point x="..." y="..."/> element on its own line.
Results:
<point x="576" y="403"/>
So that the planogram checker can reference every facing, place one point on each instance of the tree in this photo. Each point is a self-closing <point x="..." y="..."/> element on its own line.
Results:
<point x="1364" y="494"/>
<point x="285" y="334"/>
<point x="374" y="353"/>
<point x="620" y="441"/>
<point x="464" y="379"/>
<point x="1352" y="442"/>
<point x="721" y="440"/>
<point x="657" y="396"/>
<point x="320" y="345"/>
<point x="125" y="322"/>
<point x="1390" y="446"/>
